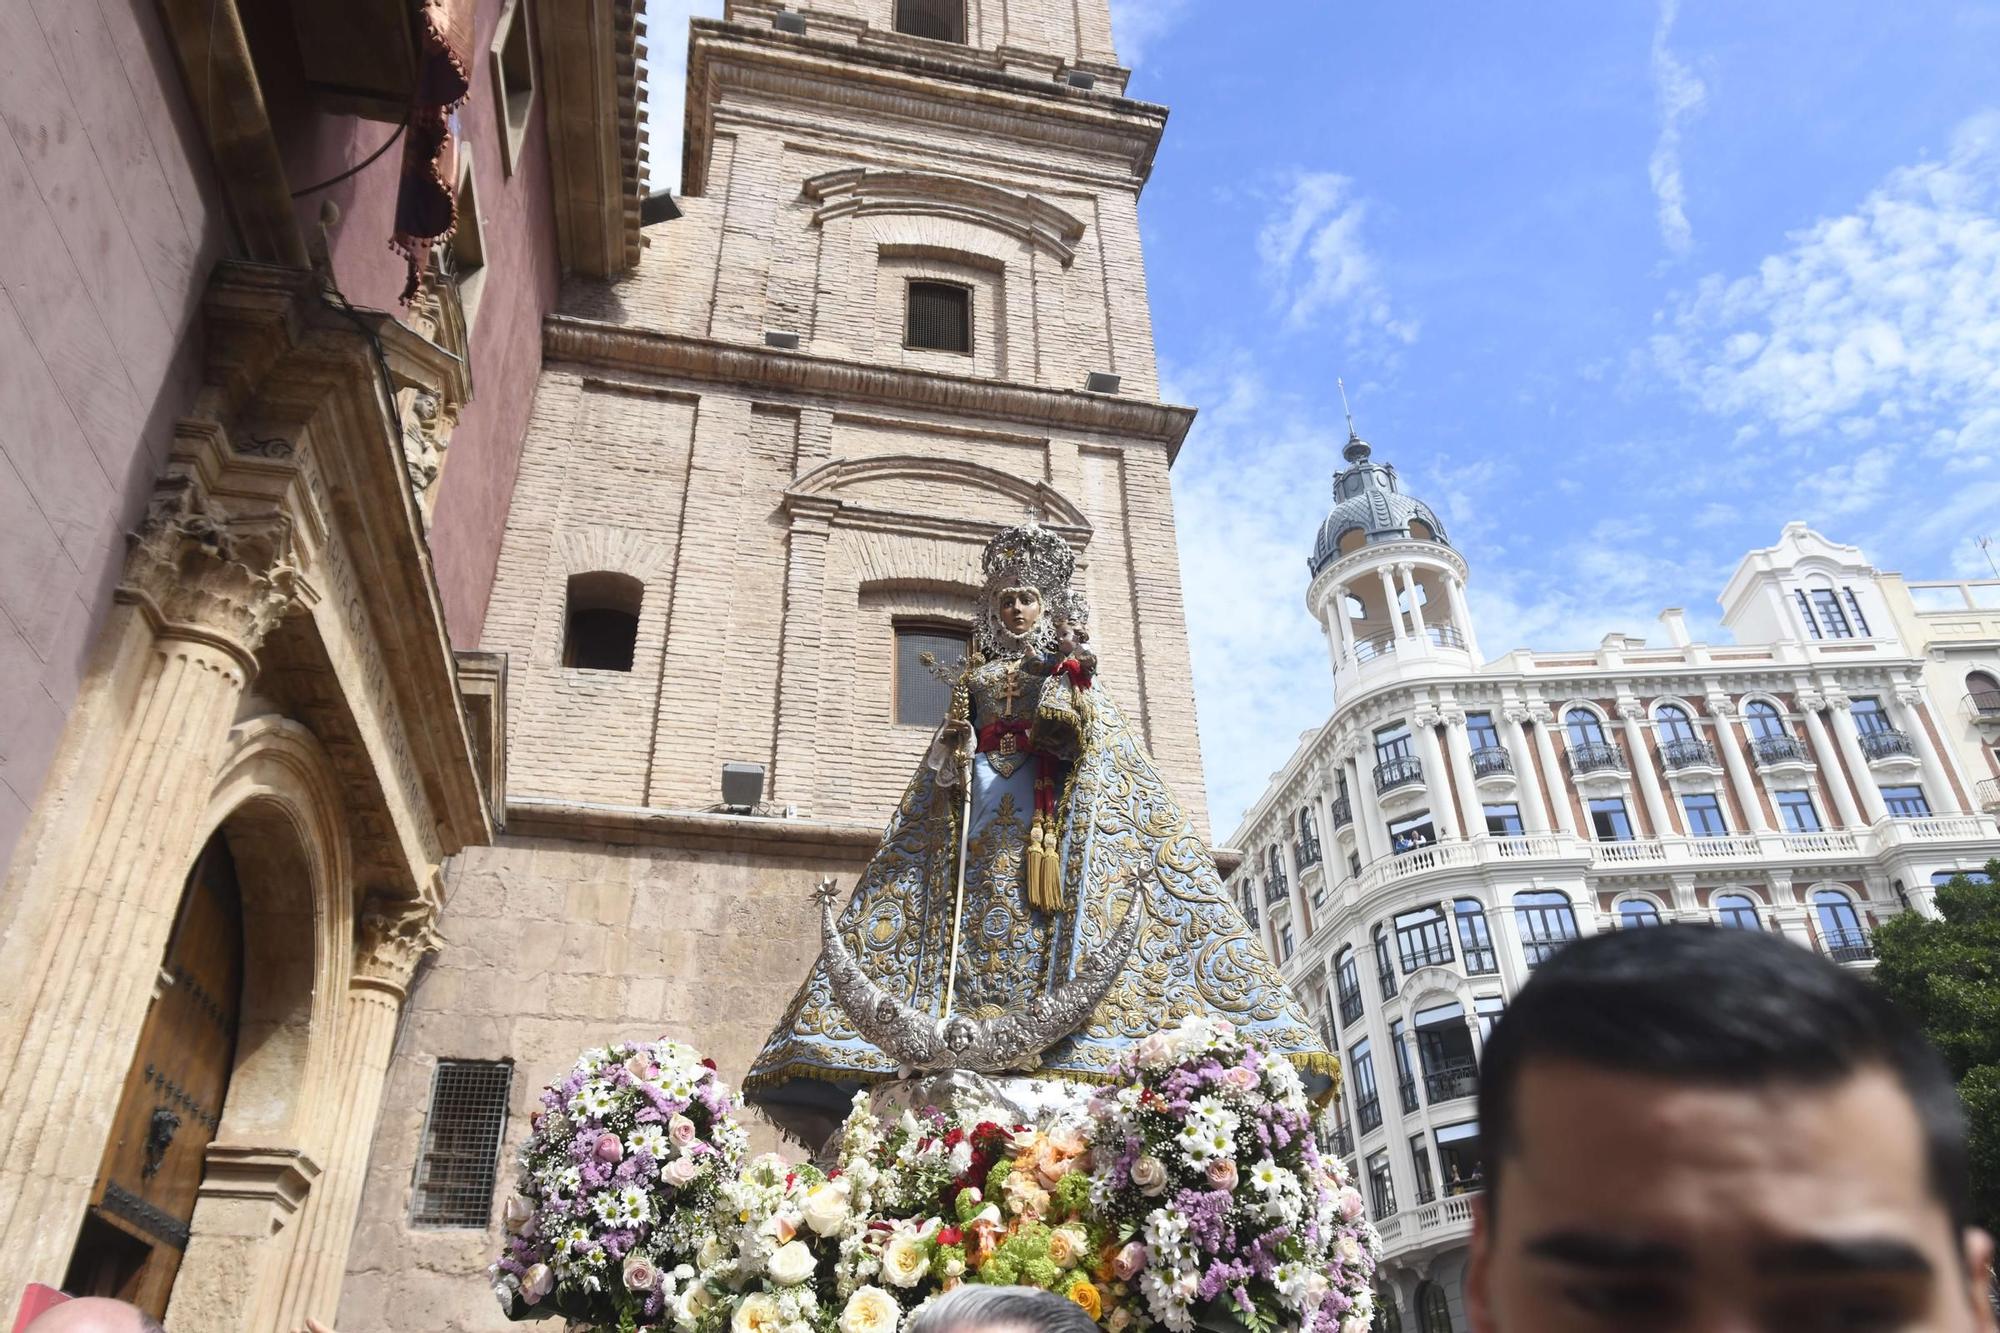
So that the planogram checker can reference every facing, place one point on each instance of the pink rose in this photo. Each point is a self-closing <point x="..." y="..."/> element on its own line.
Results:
<point x="609" y="1149"/>
<point x="536" y="1283"/>
<point x="1150" y="1175"/>
<point x="680" y="1172"/>
<point x="1351" y="1205"/>
<point x="1128" y="1262"/>
<point x="681" y="1130"/>
<point x="1240" y="1078"/>
<point x="1221" y="1174"/>
<point x="639" y="1273"/>
<point x="639" y="1067"/>
<point x="517" y="1213"/>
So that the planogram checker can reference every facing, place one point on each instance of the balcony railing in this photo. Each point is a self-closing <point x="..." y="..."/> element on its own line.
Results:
<point x="1445" y="636"/>
<point x="1343" y="812"/>
<point x="1687" y="752"/>
<point x="1374" y="646"/>
<point x="1307" y="850"/>
<point x="1407" y="1086"/>
<point x="1984" y="703"/>
<point x="1368" y="1112"/>
<point x="1401" y="771"/>
<point x="1343" y="1141"/>
<point x="1491" y="760"/>
<point x="1596" y="757"/>
<point x="1426" y="1191"/>
<point x="1350" y="1005"/>
<point x="1779" y="750"/>
<point x="1450" y="1081"/>
<point x="1250" y="914"/>
<point x="1827" y="842"/>
<point x="1274" y="891"/>
<point x="1887" y="743"/>
<point x="1848" y="946"/>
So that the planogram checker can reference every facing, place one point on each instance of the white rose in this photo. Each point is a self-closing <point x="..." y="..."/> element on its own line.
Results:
<point x="792" y="1264"/>
<point x="904" y="1261"/>
<point x="757" y="1314"/>
<point x="712" y="1252"/>
<point x="870" y="1310"/>
<point x="826" y="1207"/>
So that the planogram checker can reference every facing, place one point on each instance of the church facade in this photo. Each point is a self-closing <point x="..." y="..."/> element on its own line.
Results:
<point x="904" y="305"/>
<point x="1459" y="816"/>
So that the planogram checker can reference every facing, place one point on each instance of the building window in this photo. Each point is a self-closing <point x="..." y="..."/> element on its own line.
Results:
<point x="1738" y="910"/>
<point x="1385" y="970"/>
<point x="1704" y="815"/>
<point x="1609" y="821"/>
<point x="922" y="697"/>
<point x="1764" y="720"/>
<point x="1354" y="865"/>
<point x="1546" y="922"/>
<point x="1433" y="1310"/>
<point x="1475" y="941"/>
<point x="1481" y="732"/>
<point x="939" y="20"/>
<point x="1444" y="1043"/>
<point x="1388" y="1319"/>
<point x="1487" y="1009"/>
<point x="1367" y="1103"/>
<point x="1673" y="723"/>
<point x="1906" y="802"/>
<point x="462" y="259"/>
<point x="1796" y="811"/>
<point x="513" y="80"/>
<point x="1854" y="608"/>
<point x="1940" y="878"/>
<point x="1381" y="1185"/>
<point x="1347" y="977"/>
<point x="1422" y="939"/>
<point x="1637" y="912"/>
<point x="461" y="1143"/>
<point x="1584" y="727"/>
<point x="1504" y="820"/>
<point x="1840" y="927"/>
<point x="1983" y="690"/>
<point x="939" y="317"/>
<point x="1420" y="1158"/>
<point x="1832" y="620"/>
<point x="1805" y="610"/>
<point x="1393" y="743"/>
<point x="1406" y="1079"/>
<point x="1869" y="719"/>
<point x="601" y="621"/>
<point x="1284" y="941"/>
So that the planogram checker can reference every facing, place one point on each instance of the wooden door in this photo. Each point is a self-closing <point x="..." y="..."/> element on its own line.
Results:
<point x="137" y="1227"/>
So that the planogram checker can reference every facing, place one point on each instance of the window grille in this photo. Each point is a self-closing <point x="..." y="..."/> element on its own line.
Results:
<point x="940" y="317"/>
<point x="939" y="20"/>
<point x="461" y="1145"/>
<point x="921" y="698"/>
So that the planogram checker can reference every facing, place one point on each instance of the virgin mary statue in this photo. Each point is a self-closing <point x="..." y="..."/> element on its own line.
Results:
<point x="1038" y="787"/>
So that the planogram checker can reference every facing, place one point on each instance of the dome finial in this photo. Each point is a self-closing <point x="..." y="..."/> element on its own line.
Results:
<point x="1357" y="448"/>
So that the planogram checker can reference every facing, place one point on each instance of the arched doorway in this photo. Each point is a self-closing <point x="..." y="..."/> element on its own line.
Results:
<point x="136" y="1229"/>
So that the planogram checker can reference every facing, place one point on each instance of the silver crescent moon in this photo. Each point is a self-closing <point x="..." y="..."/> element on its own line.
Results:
<point x="1008" y="1042"/>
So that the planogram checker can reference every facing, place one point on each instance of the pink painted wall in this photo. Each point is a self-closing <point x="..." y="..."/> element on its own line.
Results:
<point x="109" y="224"/>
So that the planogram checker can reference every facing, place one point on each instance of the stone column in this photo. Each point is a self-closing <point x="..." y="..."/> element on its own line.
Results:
<point x="1536" y="810"/>
<point x="1937" y="782"/>
<point x="202" y="587"/>
<point x="1408" y="576"/>
<point x="1461" y="614"/>
<point x="1458" y="749"/>
<point x="796" y="781"/>
<point x="1631" y="711"/>
<point x="1374" y="837"/>
<point x="1389" y="595"/>
<point x="1723" y="711"/>
<point x="1545" y="751"/>
<point x="1294" y="884"/>
<point x="1425" y="725"/>
<point x="394" y="936"/>
<point x="1828" y="759"/>
<point x="1849" y="740"/>
<point x="1343" y="624"/>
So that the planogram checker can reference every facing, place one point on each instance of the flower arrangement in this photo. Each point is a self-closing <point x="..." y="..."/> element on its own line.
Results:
<point x="1204" y="1167"/>
<point x="619" y="1177"/>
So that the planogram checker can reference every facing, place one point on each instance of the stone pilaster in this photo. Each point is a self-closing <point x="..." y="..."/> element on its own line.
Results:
<point x="1723" y="710"/>
<point x="1631" y="712"/>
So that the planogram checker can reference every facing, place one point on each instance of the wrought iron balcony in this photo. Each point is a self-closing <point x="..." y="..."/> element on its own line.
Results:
<point x="1274" y="891"/>
<point x="1488" y="760"/>
<point x="1250" y="914"/>
<point x="1368" y="1112"/>
<point x="1402" y="771"/>
<point x="1374" y="646"/>
<point x="1778" y="749"/>
<point x="1886" y="743"/>
<point x="1452" y="1080"/>
<point x="1407" y="1086"/>
<point x="1343" y="812"/>
<point x="1350" y="1005"/>
<point x="1687" y="752"/>
<point x="1848" y="946"/>
<point x="1596" y="757"/>
<point x="1343" y="1141"/>
<point x="1307" y="850"/>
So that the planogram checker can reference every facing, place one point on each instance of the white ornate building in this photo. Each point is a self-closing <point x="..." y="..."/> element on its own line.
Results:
<point x="1457" y="818"/>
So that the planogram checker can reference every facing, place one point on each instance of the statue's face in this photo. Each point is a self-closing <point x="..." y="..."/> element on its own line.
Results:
<point x="1017" y="609"/>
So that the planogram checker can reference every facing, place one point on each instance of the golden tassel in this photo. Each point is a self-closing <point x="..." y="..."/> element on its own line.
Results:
<point x="1036" y="832"/>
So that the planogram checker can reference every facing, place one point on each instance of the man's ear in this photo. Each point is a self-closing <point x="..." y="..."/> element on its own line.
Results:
<point x="1479" y="1271"/>
<point x="1979" y="1272"/>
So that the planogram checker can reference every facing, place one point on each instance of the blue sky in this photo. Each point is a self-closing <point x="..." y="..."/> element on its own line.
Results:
<point x="1620" y="288"/>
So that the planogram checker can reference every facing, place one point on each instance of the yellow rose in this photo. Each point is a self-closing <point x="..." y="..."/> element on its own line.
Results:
<point x="1084" y="1293"/>
<point x="1068" y="1246"/>
<point x="904" y="1261"/>
<point x="757" y="1314"/>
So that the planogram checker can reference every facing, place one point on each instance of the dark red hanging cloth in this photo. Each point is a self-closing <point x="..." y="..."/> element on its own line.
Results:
<point x="427" y="195"/>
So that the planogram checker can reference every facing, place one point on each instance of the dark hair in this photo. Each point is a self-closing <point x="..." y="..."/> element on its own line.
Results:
<point x="1719" y="1007"/>
<point x="973" y="1308"/>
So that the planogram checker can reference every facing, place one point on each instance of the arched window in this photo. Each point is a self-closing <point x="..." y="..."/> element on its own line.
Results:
<point x="1637" y="912"/>
<point x="1763" y="719"/>
<point x="1840" y="927"/>
<point x="1674" y="723"/>
<point x="1546" y="921"/>
<point x="601" y="621"/>
<point x="1347" y="977"/>
<point x="1385" y="966"/>
<point x="1983" y="689"/>
<point x="1433" y="1310"/>
<point x="1584" y="727"/>
<point x="1475" y="941"/>
<point x="1388" y="1319"/>
<point x="1738" y="910"/>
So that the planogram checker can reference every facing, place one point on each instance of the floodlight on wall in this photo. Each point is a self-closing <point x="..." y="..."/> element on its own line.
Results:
<point x="742" y="786"/>
<point x="789" y="20"/>
<point x="1099" y="381"/>
<point x="787" y="341"/>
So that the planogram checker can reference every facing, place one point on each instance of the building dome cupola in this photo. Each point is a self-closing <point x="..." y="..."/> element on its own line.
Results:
<point x="1369" y="507"/>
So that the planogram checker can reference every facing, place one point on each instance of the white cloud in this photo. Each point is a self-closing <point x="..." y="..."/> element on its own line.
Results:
<point x="663" y="84"/>
<point x="1137" y="24"/>
<point x="1315" y="256"/>
<point x="1680" y="94"/>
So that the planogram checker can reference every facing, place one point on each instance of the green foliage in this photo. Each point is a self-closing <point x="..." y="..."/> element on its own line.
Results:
<point x="1945" y="973"/>
<point x="1072" y="1194"/>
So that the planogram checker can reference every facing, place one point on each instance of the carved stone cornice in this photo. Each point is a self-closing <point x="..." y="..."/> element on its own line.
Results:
<point x="1720" y="705"/>
<point x="210" y="570"/>
<point x="1812" y="701"/>
<point x="588" y="77"/>
<point x="391" y="939"/>
<point x="1631" y="710"/>
<point x="596" y="343"/>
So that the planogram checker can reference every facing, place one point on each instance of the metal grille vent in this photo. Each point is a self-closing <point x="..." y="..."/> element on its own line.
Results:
<point x="940" y="20"/>
<point x="921" y="698"/>
<point x="940" y="317"/>
<point x="461" y="1146"/>
<point x="789" y="21"/>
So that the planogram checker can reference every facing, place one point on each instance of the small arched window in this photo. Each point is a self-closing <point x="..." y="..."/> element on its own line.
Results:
<point x="1546" y="921"/>
<point x="601" y="621"/>
<point x="1385" y="966"/>
<point x="1763" y="719"/>
<point x="1584" y="727"/>
<point x="1738" y="910"/>
<point x="1433" y="1310"/>
<point x="1983" y="689"/>
<point x="1674" y="723"/>
<point x="1839" y="924"/>
<point x="1637" y="912"/>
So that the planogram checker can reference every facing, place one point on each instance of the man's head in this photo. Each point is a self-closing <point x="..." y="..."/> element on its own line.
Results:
<point x="980" y="1309"/>
<point x="94" y="1314"/>
<point x="1695" y="1128"/>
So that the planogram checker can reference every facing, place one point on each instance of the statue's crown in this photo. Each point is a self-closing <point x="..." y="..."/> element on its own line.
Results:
<point x="1028" y="555"/>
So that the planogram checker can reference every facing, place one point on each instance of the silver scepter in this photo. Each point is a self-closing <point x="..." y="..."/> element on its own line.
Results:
<point x="966" y="754"/>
